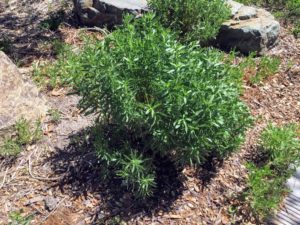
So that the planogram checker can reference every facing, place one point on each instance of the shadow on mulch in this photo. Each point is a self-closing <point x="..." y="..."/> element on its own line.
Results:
<point x="82" y="174"/>
<point x="257" y="156"/>
<point x="22" y="37"/>
<point x="7" y="162"/>
<point x="209" y="170"/>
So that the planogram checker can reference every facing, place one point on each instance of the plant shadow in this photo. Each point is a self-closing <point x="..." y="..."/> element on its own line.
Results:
<point x="24" y="35"/>
<point x="82" y="174"/>
<point x="209" y="170"/>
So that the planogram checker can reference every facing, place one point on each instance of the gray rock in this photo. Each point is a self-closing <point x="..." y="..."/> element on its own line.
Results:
<point x="50" y="203"/>
<point x="18" y="99"/>
<point x="234" y="6"/>
<point x="249" y="30"/>
<point x="245" y="13"/>
<point x="107" y="12"/>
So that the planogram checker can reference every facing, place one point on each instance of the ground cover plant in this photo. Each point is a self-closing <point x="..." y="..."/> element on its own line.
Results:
<point x="257" y="69"/>
<point x="280" y="146"/>
<point x="16" y="218"/>
<point x="24" y="133"/>
<point x="154" y="95"/>
<point x="195" y="20"/>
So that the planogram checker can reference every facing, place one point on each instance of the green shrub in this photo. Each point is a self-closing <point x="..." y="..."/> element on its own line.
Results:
<point x="281" y="145"/>
<point x="196" y="20"/>
<point x="266" y="190"/>
<point x="293" y="7"/>
<point x="162" y="98"/>
<point x="267" y="183"/>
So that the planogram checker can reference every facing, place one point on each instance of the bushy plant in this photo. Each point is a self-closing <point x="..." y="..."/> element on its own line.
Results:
<point x="281" y="145"/>
<point x="159" y="96"/>
<point x="197" y="20"/>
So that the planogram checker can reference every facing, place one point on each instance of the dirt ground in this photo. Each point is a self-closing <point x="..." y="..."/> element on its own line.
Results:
<point x="58" y="179"/>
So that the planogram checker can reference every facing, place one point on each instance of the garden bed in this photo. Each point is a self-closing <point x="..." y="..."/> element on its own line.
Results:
<point x="58" y="180"/>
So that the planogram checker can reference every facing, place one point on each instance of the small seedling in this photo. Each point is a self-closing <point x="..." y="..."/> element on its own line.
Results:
<point x="27" y="134"/>
<point x="37" y="131"/>
<point x="16" y="218"/>
<point x="23" y="131"/>
<point x="10" y="148"/>
<point x="54" y="115"/>
<point x="24" y="134"/>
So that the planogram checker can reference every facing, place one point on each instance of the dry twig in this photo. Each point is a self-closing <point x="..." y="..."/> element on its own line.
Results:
<point x="36" y="177"/>
<point x="4" y="178"/>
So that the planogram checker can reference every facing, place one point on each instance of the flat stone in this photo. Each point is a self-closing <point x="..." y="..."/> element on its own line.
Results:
<point x="250" y="30"/>
<point x="50" y="203"/>
<point x="126" y="4"/>
<point x="294" y="183"/>
<point x="234" y="6"/>
<point x="290" y="210"/>
<point x="107" y="12"/>
<point x="18" y="98"/>
<point x="245" y="13"/>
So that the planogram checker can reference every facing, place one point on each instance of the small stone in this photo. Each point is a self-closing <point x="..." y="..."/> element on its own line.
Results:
<point x="50" y="203"/>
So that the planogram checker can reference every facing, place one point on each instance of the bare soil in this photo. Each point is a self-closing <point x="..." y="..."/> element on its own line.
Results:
<point x="58" y="179"/>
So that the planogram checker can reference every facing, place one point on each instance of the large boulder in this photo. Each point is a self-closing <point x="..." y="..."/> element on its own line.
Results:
<point x="107" y="12"/>
<point x="249" y="30"/>
<point x="18" y="98"/>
